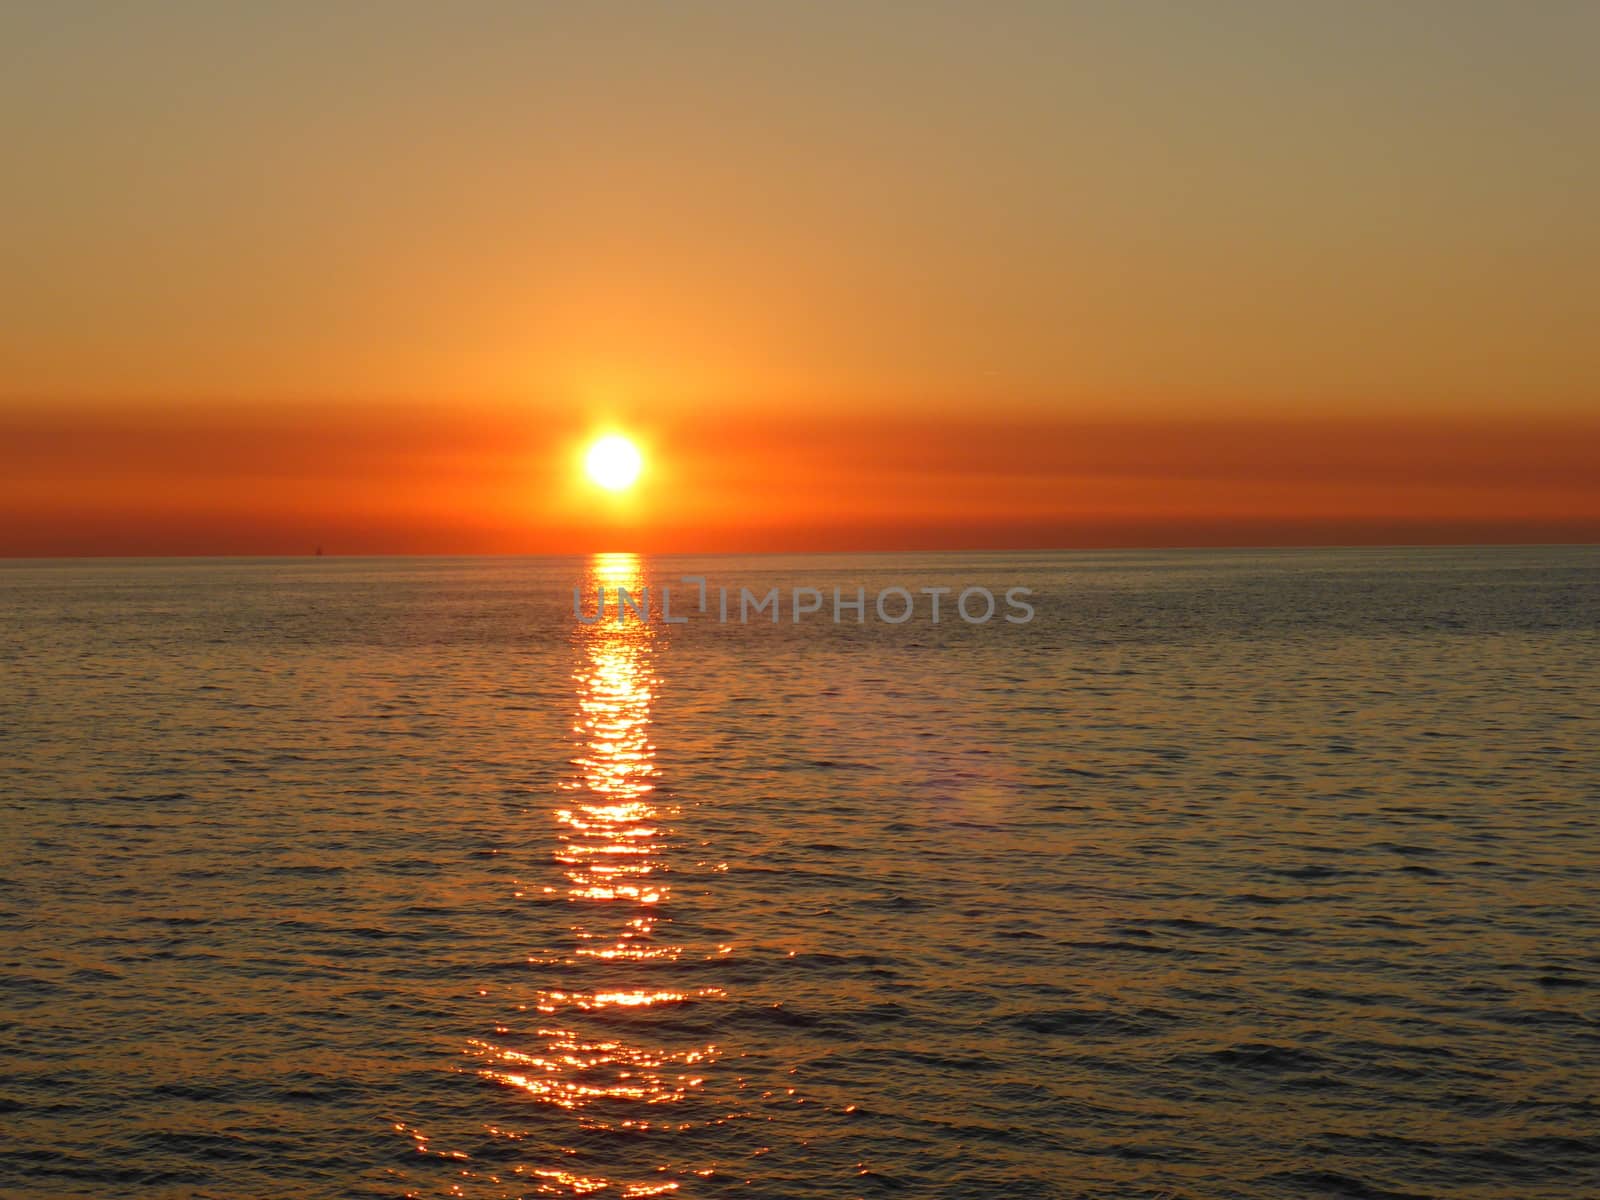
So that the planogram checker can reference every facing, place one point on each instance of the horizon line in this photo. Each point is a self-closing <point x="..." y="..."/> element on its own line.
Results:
<point x="856" y="553"/>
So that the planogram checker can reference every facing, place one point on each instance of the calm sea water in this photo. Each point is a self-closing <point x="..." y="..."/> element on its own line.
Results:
<point x="1231" y="875"/>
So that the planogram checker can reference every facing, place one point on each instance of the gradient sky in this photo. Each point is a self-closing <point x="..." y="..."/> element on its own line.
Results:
<point x="868" y="276"/>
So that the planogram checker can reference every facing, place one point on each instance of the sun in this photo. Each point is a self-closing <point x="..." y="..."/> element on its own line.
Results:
<point x="613" y="462"/>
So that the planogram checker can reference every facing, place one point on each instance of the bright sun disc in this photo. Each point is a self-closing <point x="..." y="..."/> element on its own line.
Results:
<point x="613" y="462"/>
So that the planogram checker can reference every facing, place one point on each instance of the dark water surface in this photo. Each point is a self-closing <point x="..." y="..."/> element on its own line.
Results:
<point x="1231" y="875"/>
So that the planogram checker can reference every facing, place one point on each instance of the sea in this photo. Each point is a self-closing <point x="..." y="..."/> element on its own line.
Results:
<point x="1256" y="874"/>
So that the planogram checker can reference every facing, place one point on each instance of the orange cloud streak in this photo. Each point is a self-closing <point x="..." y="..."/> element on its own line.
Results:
<point x="364" y="479"/>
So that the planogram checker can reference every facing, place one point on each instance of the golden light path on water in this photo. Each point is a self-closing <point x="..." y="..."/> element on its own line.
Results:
<point x="612" y="837"/>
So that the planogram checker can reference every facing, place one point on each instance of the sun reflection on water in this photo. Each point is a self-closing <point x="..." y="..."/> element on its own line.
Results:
<point x="590" y="1058"/>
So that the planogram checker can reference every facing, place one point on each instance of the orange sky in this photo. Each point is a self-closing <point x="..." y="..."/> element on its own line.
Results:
<point x="283" y="479"/>
<point x="858" y="276"/>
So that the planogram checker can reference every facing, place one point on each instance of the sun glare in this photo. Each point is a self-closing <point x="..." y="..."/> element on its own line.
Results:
<point x="613" y="462"/>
